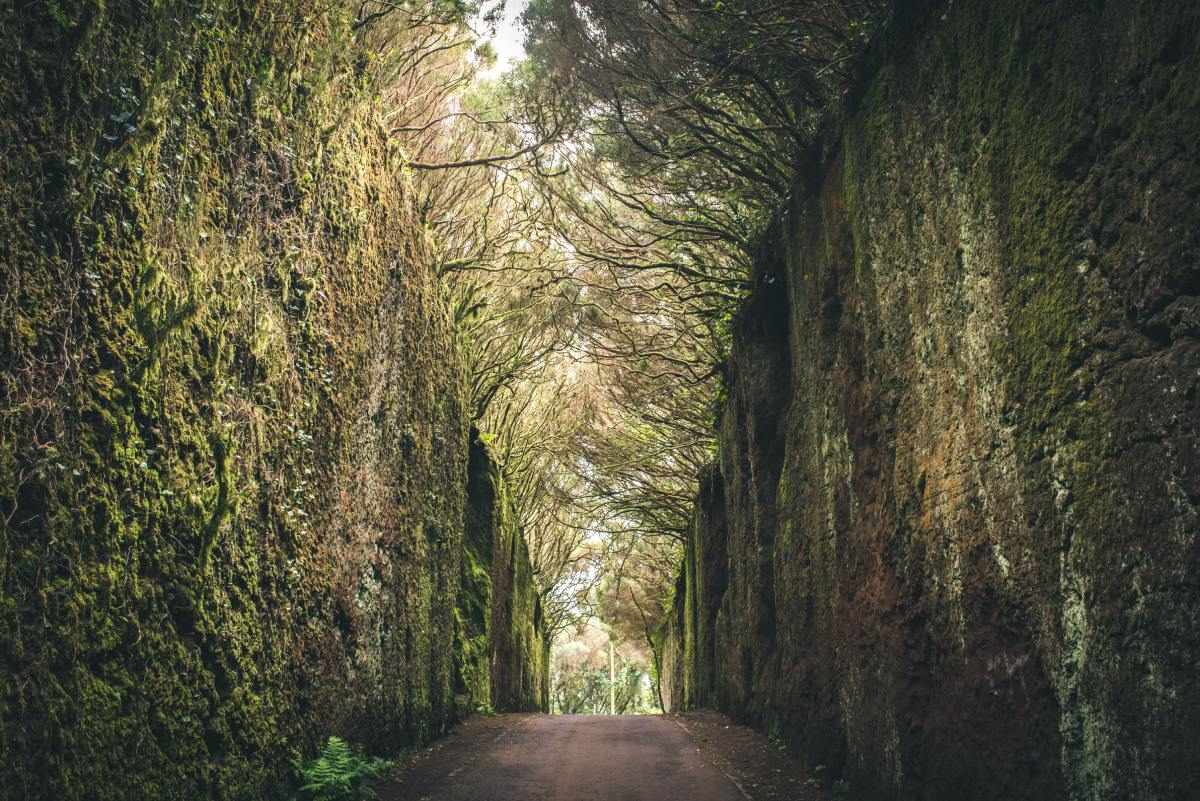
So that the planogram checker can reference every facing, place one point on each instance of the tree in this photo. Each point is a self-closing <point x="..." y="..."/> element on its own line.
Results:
<point x="693" y="119"/>
<point x="595" y="214"/>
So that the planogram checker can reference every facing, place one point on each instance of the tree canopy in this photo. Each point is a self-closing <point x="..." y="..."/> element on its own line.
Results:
<point x="596" y="210"/>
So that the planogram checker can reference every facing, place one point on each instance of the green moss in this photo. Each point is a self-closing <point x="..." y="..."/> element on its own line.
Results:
<point x="209" y="562"/>
<point x="691" y="618"/>
<point x="472" y="619"/>
<point x="504" y="656"/>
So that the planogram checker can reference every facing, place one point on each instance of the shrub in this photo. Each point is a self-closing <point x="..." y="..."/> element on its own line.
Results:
<point x="339" y="773"/>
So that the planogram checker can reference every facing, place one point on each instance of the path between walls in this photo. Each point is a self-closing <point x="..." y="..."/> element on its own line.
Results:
<point x="699" y="757"/>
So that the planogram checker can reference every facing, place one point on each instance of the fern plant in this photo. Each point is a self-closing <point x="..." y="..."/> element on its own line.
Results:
<point x="339" y="773"/>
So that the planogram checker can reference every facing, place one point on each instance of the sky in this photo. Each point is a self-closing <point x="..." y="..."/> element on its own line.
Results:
<point x="509" y="39"/>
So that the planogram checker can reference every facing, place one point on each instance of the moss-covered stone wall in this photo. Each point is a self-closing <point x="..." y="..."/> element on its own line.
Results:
<point x="504" y="658"/>
<point x="671" y="640"/>
<point x="687" y="640"/>
<point x="234" y="443"/>
<point x="960" y="460"/>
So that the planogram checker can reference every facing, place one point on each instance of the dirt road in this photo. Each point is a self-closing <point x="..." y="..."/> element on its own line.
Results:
<point x="565" y="758"/>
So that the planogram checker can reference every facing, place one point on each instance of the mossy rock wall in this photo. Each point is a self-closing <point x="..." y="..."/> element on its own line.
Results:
<point x="687" y="639"/>
<point x="504" y="658"/>
<point x="670" y="640"/>
<point x="960" y="458"/>
<point x="234" y="443"/>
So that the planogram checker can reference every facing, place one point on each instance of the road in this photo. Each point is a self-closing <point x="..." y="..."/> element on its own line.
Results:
<point x="565" y="758"/>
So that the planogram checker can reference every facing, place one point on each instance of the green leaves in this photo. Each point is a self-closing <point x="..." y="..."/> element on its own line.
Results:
<point x="340" y="773"/>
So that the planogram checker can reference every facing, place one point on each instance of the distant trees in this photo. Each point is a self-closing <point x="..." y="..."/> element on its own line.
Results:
<point x="581" y="678"/>
<point x="636" y="597"/>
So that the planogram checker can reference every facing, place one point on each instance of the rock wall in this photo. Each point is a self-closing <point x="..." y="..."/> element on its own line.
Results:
<point x="960" y="459"/>
<point x="689" y="676"/>
<point x="504" y="658"/>
<point x="234" y="437"/>
<point x="672" y="640"/>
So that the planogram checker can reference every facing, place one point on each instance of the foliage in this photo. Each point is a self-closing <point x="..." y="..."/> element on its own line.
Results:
<point x="586" y="691"/>
<point x="580" y="668"/>
<point x="595" y="213"/>
<point x="340" y="773"/>
<point x="688" y="124"/>
<point x="600" y="207"/>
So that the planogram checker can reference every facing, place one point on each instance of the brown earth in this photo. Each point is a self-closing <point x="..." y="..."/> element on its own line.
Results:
<point x="697" y="757"/>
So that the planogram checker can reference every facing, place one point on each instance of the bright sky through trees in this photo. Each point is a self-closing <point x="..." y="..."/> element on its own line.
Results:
<point x="509" y="39"/>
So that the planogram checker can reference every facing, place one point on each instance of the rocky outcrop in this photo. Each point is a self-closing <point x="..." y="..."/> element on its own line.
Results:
<point x="233" y="425"/>
<point x="960" y="460"/>
<point x="503" y="653"/>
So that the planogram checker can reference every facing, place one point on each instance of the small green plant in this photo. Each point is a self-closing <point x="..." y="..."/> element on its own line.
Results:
<point x="339" y="773"/>
<point x="841" y="790"/>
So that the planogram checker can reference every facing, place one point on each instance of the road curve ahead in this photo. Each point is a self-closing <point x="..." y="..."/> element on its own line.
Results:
<point x="565" y="758"/>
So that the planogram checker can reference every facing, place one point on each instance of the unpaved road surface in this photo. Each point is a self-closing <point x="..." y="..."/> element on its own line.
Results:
<point x="565" y="758"/>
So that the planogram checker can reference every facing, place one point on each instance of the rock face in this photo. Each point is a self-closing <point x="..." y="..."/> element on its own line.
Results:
<point x="689" y="673"/>
<point x="233" y="471"/>
<point x="504" y="658"/>
<point x="960" y="468"/>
